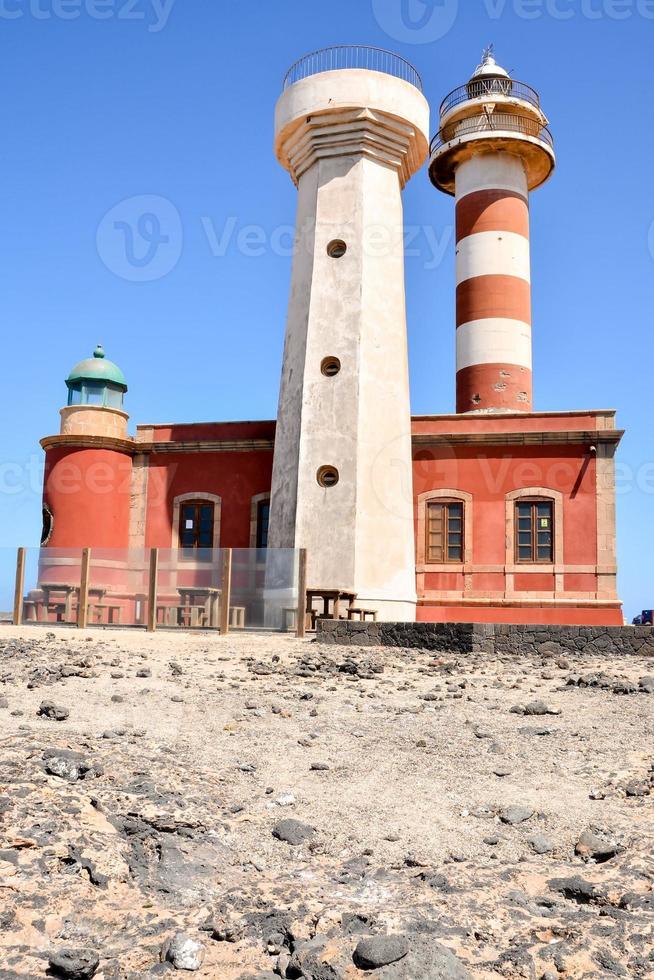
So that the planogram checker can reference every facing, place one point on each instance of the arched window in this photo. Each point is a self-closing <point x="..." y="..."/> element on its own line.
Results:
<point x="196" y="522"/>
<point x="259" y="520"/>
<point x="534" y="538"/>
<point x="534" y="524"/>
<point x="444" y="529"/>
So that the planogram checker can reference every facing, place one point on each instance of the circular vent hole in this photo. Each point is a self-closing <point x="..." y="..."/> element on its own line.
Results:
<point x="336" y="249"/>
<point x="330" y="366"/>
<point x="327" y="476"/>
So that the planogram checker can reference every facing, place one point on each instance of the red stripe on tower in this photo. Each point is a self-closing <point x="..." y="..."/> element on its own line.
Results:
<point x="493" y="293"/>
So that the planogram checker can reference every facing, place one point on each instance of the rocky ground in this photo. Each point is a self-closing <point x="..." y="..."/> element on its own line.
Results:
<point x="260" y="807"/>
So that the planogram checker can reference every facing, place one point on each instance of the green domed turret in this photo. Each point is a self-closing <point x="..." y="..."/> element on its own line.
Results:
<point x="96" y="381"/>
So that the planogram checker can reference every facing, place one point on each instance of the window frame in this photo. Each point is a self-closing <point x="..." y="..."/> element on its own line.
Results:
<point x="444" y="503"/>
<point x="196" y="502"/>
<point x="261" y="504"/>
<point x="533" y="502"/>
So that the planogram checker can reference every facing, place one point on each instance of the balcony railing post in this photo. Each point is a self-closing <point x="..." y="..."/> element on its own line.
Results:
<point x="301" y="624"/>
<point x="226" y="596"/>
<point x="153" y="582"/>
<point x="83" y="606"/>
<point x="20" y="587"/>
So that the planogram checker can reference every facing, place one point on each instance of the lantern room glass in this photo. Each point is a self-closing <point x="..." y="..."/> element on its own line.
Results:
<point x="96" y="393"/>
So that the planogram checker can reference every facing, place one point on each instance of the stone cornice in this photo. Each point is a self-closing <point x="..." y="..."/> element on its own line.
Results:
<point x="550" y="438"/>
<point x="350" y="132"/>
<point x="155" y="448"/>
<point x="89" y="442"/>
<point x="525" y="438"/>
<point x="207" y="446"/>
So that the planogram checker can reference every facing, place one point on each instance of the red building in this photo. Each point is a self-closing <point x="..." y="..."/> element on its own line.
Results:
<point x="485" y="482"/>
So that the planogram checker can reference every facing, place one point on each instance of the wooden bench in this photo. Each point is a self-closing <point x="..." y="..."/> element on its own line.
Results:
<point x="356" y="612"/>
<point x="114" y="613"/>
<point x="237" y="616"/>
<point x="289" y="619"/>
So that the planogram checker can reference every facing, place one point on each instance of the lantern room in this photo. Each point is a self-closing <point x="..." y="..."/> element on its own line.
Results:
<point x="96" y="381"/>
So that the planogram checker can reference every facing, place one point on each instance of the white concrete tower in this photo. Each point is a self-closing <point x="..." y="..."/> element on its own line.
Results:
<point x="351" y="128"/>
<point x="493" y="147"/>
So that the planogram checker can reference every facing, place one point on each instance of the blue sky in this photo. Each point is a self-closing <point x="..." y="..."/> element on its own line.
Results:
<point x="110" y="100"/>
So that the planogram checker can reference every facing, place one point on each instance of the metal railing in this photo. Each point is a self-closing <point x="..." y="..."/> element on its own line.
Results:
<point x="480" y="88"/>
<point x="352" y="56"/>
<point x="490" y="123"/>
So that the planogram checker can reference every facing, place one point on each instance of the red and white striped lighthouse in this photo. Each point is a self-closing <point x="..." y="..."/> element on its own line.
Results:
<point x="493" y="147"/>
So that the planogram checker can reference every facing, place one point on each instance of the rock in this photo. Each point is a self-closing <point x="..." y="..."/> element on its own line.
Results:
<point x="312" y="959"/>
<point x="69" y="765"/>
<point x="540" y="844"/>
<point x="515" y="814"/>
<point x="540" y="708"/>
<point x="426" y="960"/>
<point x="183" y="952"/>
<point x="74" y="963"/>
<point x="378" y="951"/>
<point x="646" y="684"/>
<point x="502" y="771"/>
<point x="625" y="687"/>
<point x="636" y="788"/>
<point x="319" y="767"/>
<point x="144" y="672"/>
<point x="515" y="962"/>
<point x="57" y="712"/>
<point x="592" y="847"/>
<point x="285" y="799"/>
<point x="576" y="889"/>
<point x="4" y="703"/>
<point x="293" y="832"/>
<point x="638" y="900"/>
<point x="224" y="930"/>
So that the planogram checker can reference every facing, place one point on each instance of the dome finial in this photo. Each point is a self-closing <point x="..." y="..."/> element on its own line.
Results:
<point x="488" y="67"/>
<point x="99" y="351"/>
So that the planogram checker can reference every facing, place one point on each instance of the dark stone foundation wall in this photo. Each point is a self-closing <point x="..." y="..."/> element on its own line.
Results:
<point x="500" y="638"/>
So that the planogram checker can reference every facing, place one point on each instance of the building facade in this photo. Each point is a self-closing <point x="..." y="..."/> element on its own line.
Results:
<point x="497" y="513"/>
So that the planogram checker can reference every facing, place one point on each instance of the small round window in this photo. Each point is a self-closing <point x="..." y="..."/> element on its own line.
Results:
<point x="327" y="476"/>
<point x="330" y="366"/>
<point x="336" y="248"/>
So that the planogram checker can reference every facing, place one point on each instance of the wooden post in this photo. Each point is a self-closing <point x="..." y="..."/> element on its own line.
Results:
<point x="20" y="586"/>
<point x="226" y="596"/>
<point x="301" y="625"/>
<point x="83" y="605"/>
<point x="152" y="589"/>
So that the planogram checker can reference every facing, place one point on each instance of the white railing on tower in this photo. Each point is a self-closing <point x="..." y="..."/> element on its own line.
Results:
<point x="343" y="56"/>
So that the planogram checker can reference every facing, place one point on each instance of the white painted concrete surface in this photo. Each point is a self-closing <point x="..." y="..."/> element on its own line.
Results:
<point x="349" y="166"/>
<point x="492" y="253"/>
<point x="494" y="340"/>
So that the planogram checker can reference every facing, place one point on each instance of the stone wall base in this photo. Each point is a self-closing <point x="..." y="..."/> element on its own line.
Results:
<point x="492" y="638"/>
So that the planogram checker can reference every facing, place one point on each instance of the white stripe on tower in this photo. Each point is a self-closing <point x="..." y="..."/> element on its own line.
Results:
<point x="493" y="285"/>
